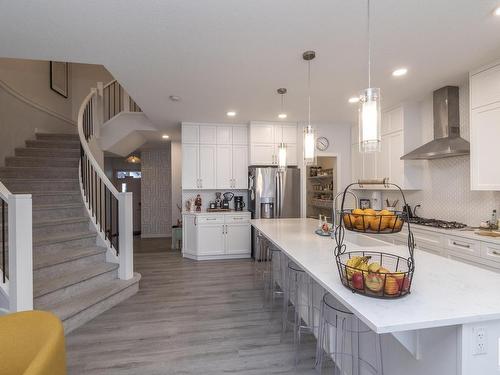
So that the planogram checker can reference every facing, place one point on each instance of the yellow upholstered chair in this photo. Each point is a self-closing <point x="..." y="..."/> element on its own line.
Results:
<point x="32" y="343"/>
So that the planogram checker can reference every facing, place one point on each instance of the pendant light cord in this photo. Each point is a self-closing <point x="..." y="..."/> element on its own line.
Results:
<point x="309" y="93"/>
<point x="369" y="46"/>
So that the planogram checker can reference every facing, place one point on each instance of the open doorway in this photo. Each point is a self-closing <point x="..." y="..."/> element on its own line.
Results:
<point x="321" y="187"/>
<point x="130" y="181"/>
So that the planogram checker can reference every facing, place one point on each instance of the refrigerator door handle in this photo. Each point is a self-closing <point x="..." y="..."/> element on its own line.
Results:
<point x="277" y="195"/>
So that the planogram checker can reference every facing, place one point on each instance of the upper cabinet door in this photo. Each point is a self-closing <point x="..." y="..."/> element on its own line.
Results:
<point x="262" y="154"/>
<point x="485" y="87"/>
<point x="240" y="135"/>
<point x="190" y="133"/>
<point x="397" y="166"/>
<point x="224" y="135"/>
<point x="384" y="159"/>
<point x="289" y="133"/>
<point x="240" y="167"/>
<point x="262" y="133"/>
<point x="208" y="134"/>
<point x="190" y="159"/>
<point x="291" y="154"/>
<point x="356" y="163"/>
<point x="370" y="165"/>
<point x="224" y="174"/>
<point x="392" y="121"/>
<point x="207" y="157"/>
<point x="484" y="136"/>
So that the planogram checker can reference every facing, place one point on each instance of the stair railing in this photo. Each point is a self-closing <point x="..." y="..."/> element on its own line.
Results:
<point x="115" y="100"/>
<point x="16" y="258"/>
<point x="111" y="211"/>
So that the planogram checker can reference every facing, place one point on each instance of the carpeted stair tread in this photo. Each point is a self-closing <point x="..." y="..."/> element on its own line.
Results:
<point x="46" y="285"/>
<point x="58" y="144"/>
<point x="69" y="307"/>
<point x="33" y="161"/>
<point x="44" y="259"/>
<point x="63" y="238"/>
<point x="57" y="136"/>
<point x="48" y="152"/>
<point x="69" y="220"/>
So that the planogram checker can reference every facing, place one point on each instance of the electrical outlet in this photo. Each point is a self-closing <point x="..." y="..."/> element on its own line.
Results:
<point x="480" y="341"/>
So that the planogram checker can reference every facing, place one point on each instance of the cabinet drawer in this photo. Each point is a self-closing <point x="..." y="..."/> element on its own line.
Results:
<point x="212" y="219"/>
<point x="244" y="218"/>
<point x="490" y="251"/>
<point x="427" y="239"/>
<point x="463" y="245"/>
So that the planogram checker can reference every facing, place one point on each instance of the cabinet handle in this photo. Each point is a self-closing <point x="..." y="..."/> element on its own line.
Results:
<point x="494" y="252"/>
<point x="461" y="245"/>
<point x="211" y="218"/>
<point x="238" y="218"/>
<point x="201" y="183"/>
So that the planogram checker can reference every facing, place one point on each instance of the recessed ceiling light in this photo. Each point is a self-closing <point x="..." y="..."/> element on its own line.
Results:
<point x="175" y="98"/>
<point x="496" y="12"/>
<point x="231" y="113"/>
<point x="354" y="99"/>
<point x="282" y="115"/>
<point x="400" y="72"/>
<point x="165" y="136"/>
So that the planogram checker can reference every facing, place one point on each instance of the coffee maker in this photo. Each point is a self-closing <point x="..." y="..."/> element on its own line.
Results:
<point x="238" y="203"/>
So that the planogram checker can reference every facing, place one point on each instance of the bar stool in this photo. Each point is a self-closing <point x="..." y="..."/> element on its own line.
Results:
<point x="299" y="292"/>
<point x="338" y="328"/>
<point x="261" y="257"/>
<point x="273" y="284"/>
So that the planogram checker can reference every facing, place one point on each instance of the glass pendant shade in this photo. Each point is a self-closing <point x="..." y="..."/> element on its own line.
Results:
<point x="282" y="156"/>
<point x="309" y="146"/>
<point x="369" y="120"/>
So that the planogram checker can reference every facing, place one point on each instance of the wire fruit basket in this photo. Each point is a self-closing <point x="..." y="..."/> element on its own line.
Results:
<point x="373" y="273"/>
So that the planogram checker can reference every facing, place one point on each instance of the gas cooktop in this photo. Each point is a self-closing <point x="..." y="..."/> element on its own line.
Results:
<point x="435" y="223"/>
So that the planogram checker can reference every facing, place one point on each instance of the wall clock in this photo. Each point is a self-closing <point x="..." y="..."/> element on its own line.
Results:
<point x="322" y="143"/>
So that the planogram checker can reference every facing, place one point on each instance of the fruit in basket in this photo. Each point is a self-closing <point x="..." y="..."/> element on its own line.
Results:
<point x="362" y="223"/>
<point x="357" y="280"/>
<point x="395" y="223"/>
<point x="356" y="263"/>
<point x="349" y="221"/>
<point x="369" y="211"/>
<point x="383" y="270"/>
<point x="402" y="280"/>
<point x="358" y="211"/>
<point x="374" y="282"/>
<point x="378" y="223"/>
<point x="373" y="267"/>
<point x="391" y="286"/>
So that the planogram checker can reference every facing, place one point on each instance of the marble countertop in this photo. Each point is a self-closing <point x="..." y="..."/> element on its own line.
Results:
<point x="445" y="292"/>
<point x="205" y="212"/>
<point x="468" y="233"/>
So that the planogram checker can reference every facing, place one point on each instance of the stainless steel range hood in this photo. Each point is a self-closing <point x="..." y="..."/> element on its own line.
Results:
<point x="447" y="141"/>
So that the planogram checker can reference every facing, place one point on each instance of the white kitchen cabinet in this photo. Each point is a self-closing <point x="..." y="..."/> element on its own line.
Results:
<point x="190" y="158"/>
<point x="240" y="135"/>
<point x="224" y="167"/>
<point x="190" y="133"/>
<point x="208" y="153"/>
<point x="224" y="135"/>
<point x="240" y="167"/>
<point x="207" y="166"/>
<point x="237" y="238"/>
<point x="208" y="135"/>
<point x="216" y="236"/>
<point x="484" y="136"/>
<point x="265" y="139"/>
<point x="484" y="127"/>
<point x="400" y="134"/>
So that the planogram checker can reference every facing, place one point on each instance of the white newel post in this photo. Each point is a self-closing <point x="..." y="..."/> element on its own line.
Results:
<point x="126" y="239"/>
<point x="20" y="253"/>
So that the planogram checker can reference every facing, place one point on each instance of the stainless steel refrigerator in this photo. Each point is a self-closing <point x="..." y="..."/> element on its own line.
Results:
<point x="273" y="193"/>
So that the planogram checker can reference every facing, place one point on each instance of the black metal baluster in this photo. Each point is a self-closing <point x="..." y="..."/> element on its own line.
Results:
<point x="117" y="229"/>
<point x="109" y="103"/>
<point x="91" y="117"/>
<point x="106" y="212"/>
<point x="95" y="196"/>
<point x="100" y="204"/>
<point x="110" y="219"/>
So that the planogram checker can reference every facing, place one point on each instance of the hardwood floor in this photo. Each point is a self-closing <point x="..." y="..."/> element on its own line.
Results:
<point x="188" y="318"/>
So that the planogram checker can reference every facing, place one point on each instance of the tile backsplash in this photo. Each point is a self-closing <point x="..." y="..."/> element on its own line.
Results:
<point x="446" y="193"/>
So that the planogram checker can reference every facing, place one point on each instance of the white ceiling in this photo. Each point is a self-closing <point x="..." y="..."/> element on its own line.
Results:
<point x="229" y="54"/>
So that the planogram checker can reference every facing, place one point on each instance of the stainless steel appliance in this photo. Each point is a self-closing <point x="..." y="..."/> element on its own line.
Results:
<point x="273" y="194"/>
<point x="435" y="223"/>
<point x="270" y="190"/>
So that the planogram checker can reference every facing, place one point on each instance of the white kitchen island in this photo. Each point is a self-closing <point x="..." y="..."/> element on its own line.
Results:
<point x="432" y="330"/>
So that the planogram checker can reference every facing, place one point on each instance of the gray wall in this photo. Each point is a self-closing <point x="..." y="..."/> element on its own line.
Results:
<point x="156" y="192"/>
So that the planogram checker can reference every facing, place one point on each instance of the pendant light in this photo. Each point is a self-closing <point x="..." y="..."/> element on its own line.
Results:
<point x="282" y="146"/>
<point x="309" y="137"/>
<point x="369" y="107"/>
<point x="282" y="91"/>
<point x="133" y="159"/>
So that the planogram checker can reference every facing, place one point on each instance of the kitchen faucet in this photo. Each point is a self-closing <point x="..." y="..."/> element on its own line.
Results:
<point x="334" y="213"/>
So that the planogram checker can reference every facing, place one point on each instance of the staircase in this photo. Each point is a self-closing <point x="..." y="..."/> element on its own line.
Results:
<point x="71" y="276"/>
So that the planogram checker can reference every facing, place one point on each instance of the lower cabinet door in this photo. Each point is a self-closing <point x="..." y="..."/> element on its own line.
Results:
<point x="210" y="239"/>
<point x="238" y="239"/>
